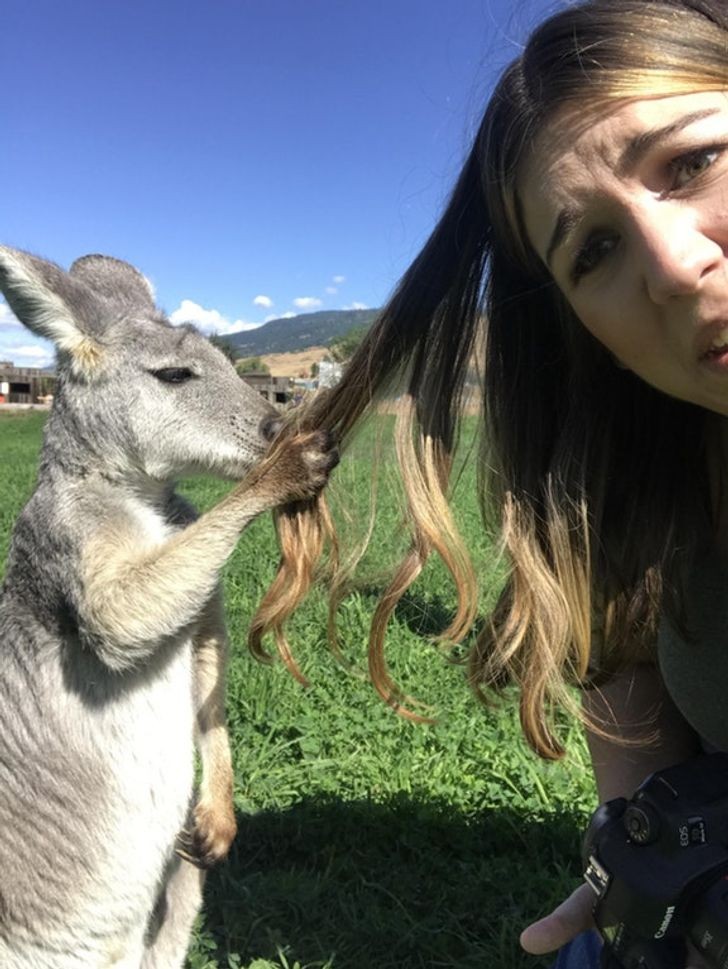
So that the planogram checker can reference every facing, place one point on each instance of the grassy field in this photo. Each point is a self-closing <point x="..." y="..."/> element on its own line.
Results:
<point x="366" y="841"/>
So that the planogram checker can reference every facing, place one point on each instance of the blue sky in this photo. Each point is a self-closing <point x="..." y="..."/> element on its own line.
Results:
<point x="254" y="158"/>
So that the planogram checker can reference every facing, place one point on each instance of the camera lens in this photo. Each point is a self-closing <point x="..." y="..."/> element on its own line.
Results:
<point x="642" y="824"/>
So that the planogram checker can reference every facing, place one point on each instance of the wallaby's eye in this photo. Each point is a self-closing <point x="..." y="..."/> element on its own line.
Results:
<point x="173" y="375"/>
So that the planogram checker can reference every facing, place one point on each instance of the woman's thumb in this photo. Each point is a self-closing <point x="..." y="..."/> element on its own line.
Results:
<point x="562" y="925"/>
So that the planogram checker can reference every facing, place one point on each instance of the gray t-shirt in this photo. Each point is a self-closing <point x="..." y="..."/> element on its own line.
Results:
<point x="695" y="670"/>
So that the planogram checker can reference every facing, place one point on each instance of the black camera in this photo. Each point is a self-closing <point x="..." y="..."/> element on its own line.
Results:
<point x="658" y="865"/>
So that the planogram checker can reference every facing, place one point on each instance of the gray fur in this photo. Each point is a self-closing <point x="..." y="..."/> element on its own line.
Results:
<point x="109" y="582"/>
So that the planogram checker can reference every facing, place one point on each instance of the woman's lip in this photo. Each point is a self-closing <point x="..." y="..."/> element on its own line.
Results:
<point x="711" y="334"/>
<point x="717" y="361"/>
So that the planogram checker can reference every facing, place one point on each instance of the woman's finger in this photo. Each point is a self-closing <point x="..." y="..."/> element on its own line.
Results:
<point x="562" y="925"/>
<point x="695" y="959"/>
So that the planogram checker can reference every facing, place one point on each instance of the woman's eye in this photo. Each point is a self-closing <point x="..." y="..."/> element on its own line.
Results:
<point x="173" y="375"/>
<point x="688" y="167"/>
<point x="595" y="249"/>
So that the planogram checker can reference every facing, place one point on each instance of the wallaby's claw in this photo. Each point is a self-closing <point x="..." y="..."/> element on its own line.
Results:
<point x="318" y="456"/>
<point x="328" y="453"/>
<point x="301" y="467"/>
<point x="208" y="841"/>
<point x="186" y="856"/>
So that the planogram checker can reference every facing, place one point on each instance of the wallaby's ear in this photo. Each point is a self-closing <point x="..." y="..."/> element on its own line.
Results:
<point x="115" y="280"/>
<point x="53" y="305"/>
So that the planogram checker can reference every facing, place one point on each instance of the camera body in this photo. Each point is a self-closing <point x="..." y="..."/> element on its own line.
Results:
<point x="658" y="865"/>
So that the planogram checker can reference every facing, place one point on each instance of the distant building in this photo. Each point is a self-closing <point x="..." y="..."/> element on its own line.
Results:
<point x="277" y="390"/>
<point x="25" y="385"/>
<point x="308" y="384"/>
<point x="329" y="373"/>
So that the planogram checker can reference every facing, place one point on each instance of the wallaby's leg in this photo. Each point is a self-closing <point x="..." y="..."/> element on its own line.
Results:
<point x="135" y="599"/>
<point x="170" y="927"/>
<point x="214" y="826"/>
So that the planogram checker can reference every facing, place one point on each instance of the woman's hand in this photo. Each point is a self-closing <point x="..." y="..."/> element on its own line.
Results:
<point x="633" y="706"/>
<point x="562" y="925"/>
<point x="568" y="920"/>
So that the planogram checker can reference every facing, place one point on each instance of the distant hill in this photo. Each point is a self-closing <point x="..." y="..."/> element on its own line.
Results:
<point x="289" y="335"/>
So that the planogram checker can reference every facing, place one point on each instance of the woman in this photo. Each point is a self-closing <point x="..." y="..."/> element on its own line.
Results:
<point x="590" y="227"/>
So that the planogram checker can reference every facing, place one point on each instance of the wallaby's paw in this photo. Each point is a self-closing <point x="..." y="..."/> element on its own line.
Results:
<point x="319" y="456"/>
<point x="302" y="467"/>
<point x="208" y="841"/>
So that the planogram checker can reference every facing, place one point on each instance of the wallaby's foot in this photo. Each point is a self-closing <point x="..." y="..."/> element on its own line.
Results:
<point x="213" y="831"/>
<point x="296" y="468"/>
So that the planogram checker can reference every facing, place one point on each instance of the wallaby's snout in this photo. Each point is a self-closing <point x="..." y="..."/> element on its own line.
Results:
<point x="270" y="426"/>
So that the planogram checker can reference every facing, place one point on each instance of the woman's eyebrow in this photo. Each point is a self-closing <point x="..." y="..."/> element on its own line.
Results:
<point x="565" y="222"/>
<point x="638" y="146"/>
<point x="635" y="149"/>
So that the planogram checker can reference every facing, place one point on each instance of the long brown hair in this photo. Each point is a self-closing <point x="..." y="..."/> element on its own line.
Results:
<point x="596" y="481"/>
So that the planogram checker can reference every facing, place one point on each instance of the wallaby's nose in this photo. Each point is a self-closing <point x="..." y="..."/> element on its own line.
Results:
<point x="270" y="426"/>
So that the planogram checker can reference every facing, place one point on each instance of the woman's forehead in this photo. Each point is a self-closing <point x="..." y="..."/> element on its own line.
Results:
<point x="580" y="152"/>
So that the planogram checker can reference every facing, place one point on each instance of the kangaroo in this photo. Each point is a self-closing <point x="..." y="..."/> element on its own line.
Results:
<point x="112" y="637"/>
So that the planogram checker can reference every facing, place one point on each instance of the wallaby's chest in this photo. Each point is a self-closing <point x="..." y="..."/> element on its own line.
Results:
<point x="115" y="750"/>
<point x="121" y="763"/>
<point x="148" y="519"/>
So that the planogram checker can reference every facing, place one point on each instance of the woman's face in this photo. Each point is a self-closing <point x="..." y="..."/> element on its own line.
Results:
<point x="629" y="211"/>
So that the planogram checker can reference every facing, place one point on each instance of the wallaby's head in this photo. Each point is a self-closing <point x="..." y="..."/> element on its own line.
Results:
<point x="146" y="396"/>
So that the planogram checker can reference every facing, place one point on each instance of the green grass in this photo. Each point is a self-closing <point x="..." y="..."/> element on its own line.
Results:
<point x="366" y="841"/>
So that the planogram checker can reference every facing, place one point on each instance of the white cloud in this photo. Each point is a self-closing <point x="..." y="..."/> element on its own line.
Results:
<point x="264" y="301"/>
<point x="209" y="321"/>
<point x="280" y="316"/>
<point x="18" y="345"/>
<point x="239" y="326"/>
<point x="32" y="350"/>
<point x="331" y="290"/>
<point x="28" y="355"/>
<point x="7" y="317"/>
<point x="307" y="302"/>
<point x="190" y="312"/>
<point x="339" y="280"/>
<point x="357" y="306"/>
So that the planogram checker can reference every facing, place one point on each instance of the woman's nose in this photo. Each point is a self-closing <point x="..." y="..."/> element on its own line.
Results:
<point x="678" y="255"/>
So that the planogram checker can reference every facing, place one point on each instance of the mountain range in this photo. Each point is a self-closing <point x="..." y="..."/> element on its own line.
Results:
<point x="290" y="334"/>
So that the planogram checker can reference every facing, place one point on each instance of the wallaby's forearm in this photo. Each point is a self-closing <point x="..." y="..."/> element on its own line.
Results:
<point x="137" y="599"/>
